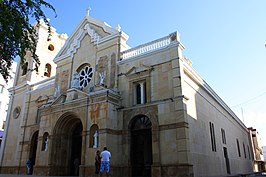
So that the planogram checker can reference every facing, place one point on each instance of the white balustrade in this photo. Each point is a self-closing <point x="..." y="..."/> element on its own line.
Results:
<point x="151" y="46"/>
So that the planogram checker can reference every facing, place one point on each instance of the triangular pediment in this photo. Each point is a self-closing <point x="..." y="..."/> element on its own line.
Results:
<point x="96" y="29"/>
<point x="135" y="70"/>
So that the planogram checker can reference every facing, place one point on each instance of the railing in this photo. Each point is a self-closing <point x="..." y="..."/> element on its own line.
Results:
<point x="149" y="47"/>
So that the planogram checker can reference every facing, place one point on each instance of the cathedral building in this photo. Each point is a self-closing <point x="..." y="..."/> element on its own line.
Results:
<point x="146" y="104"/>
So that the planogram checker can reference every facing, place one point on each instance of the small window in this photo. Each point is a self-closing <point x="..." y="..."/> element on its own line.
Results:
<point x="51" y="47"/>
<point x="244" y="151"/>
<point x="238" y="148"/>
<point x="47" y="70"/>
<point x="223" y="136"/>
<point x="24" y="69"/>
<point x="248" y="153"/>
<point x="213" y="141"/>
<point x="140" y="92"/>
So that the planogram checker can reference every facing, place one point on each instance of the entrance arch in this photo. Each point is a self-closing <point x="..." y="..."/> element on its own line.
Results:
<point x="33" y="149"/>
<point x="141" y="146"/>
<point x="67" y="145"/>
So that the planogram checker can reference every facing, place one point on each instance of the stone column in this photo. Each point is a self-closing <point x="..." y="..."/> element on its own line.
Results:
<point x="142" y="92"/>
<point x="82" y="167"/>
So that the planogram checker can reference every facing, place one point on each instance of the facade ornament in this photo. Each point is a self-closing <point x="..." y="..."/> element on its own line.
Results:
<point x="173" y="37"/>
<point x="118" y="28"/>
<point x="46" y="144"/>
<point x="95" y="139"/>
<point x="57" y="91"/>
<point x="88" y="11"/>
<point x="102" y="76"/>
<point x="75" y="81"/>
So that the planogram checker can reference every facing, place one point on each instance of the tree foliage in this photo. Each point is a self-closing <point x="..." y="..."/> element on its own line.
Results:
<point x="17" y="35"/>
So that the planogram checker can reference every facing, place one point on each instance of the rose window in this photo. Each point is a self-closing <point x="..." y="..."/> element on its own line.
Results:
<point x="85" y="76"/>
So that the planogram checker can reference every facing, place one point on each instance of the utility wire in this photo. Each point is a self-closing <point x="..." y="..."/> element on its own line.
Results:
<point x="245" y="102"/>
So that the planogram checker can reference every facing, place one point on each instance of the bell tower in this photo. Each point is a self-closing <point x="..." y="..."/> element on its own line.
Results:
<point x="46" y="49"/>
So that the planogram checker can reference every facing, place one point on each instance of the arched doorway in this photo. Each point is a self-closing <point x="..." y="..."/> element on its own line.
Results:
<point x="141" y="146"/>
<point x="76" y="149"/>
<point x="67" y="146"/>
<point x="33" y="149"/>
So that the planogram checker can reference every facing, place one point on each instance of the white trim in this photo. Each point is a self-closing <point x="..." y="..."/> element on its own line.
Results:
<point x="83" y="28"/>
<point x="153" y="52"/>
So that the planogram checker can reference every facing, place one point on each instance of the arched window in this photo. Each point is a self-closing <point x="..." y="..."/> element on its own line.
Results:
<point x="140" y="92"/>
<point x="47" y="70"/>
<point x="141" y="122"/>
<point x="45" y="140"/>
<point x="94" y="136"/>
<point x="24" y="68"/>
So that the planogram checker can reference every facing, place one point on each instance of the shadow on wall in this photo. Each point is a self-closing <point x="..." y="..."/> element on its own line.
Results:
<point x="213" y="133"/>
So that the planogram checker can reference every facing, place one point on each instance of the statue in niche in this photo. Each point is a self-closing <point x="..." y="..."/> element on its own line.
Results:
<point x="75" y="81"/>
<point x="95" y="139"/>
<point x="102" y="69"/>
<point x="46" y="144"/>
<point x="173" y="37"/>
<point x="57" y="91"/>
<point x="102" y="76"/>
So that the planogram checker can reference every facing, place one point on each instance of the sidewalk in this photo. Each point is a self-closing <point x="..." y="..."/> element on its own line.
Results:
<point x="15" y="175"/>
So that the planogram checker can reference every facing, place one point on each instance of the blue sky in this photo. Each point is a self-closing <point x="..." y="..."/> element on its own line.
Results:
<point x="225" y="39"/>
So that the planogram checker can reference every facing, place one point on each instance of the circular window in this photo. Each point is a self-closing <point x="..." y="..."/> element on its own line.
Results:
<point x="85" y="76"/>
<point x="16" y="112"/>
<point x="51" y="47"/>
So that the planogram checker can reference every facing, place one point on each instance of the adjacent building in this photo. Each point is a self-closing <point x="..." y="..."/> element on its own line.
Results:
<point x="4" y="95"/>
<point x="264" y="152"/>
<point x="147" y="104"/>
<point x="257" y="150"/>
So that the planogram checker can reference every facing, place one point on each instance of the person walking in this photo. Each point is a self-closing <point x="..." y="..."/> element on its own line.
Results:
<point x="97" y="162"/>
<point x="28" y="164"/>
<point x="105" y="162"/>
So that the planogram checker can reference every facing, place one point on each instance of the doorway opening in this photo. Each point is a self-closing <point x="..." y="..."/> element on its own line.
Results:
<point x="76" y="149"/>
<point x="141" y="146"/>
<point x="33" y="150"/>
<point x="67" y="146"/>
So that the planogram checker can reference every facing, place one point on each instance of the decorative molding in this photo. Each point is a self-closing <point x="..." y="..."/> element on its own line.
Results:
<point x="84" y="28"/>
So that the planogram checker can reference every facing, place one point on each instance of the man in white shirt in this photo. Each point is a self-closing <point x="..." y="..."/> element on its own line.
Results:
<point x="105" y="162"/>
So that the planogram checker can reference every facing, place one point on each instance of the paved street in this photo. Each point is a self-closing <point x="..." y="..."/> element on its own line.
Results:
<point x="13" y="175"/>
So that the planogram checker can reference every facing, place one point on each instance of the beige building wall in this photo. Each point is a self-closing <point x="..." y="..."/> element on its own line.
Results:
<point x="204" y="106"/>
